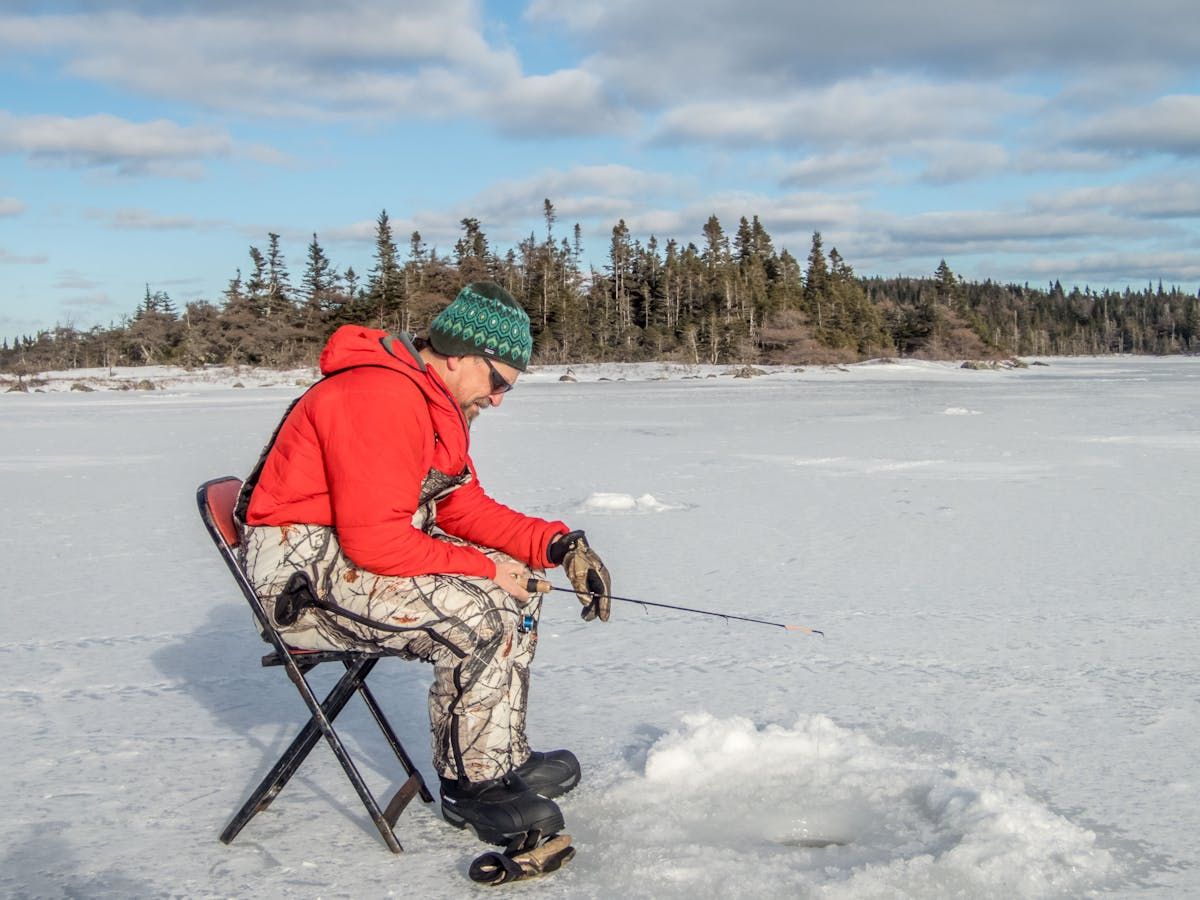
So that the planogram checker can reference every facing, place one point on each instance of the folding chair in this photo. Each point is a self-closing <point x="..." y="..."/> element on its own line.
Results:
<point x="217" y="499"/>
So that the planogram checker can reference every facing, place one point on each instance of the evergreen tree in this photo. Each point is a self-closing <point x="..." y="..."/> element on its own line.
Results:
<point x="350" y="279"/>
<point x="385" y="287"/>
<point x="278" y="288"/>
<point x="816" y="277"/>
<point x="256" y="285"/>
<point x="471" y="253"/>
<point x="319" y="279"/>
<point x="620" y="265"/>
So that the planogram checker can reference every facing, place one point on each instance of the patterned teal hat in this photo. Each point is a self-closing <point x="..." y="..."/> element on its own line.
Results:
<point x="484" y="320"/>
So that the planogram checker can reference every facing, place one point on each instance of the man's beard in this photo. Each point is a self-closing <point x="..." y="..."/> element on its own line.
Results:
<point x="471" y="412"/>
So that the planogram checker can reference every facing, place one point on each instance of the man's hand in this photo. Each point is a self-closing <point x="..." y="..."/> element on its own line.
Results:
<point x="514" y="578"/>
<point x="586" y="572"/>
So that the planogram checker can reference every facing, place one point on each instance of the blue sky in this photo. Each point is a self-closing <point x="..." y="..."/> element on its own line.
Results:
<point x="154" y="143"/>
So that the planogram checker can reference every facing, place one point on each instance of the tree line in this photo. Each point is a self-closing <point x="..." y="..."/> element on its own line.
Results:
<point x="731" y="297"/>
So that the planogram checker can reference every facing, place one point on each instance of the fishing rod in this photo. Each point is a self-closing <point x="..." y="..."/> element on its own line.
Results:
<point x="299" y="594"/>
<point x="544" y="586"/>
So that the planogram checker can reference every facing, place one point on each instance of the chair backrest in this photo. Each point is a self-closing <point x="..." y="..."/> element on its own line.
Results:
<point x="217" y="499"/>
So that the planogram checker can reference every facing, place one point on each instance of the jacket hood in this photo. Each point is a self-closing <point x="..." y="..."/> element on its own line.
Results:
<point x="355" y="345"/>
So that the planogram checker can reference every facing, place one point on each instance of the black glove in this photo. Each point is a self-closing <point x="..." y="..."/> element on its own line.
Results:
<point x="586" y="572"/>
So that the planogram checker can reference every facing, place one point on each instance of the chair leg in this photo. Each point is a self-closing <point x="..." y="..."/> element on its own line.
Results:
<point x="320" y="723"/>
<point x="397" y="747"/>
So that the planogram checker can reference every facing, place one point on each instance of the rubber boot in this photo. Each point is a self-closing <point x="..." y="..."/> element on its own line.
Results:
<point x="552" y="773"/>
<point x="500" y="811"/>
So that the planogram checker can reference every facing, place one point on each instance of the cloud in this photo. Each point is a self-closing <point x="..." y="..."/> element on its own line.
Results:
<point x="986" y="230"/>
<point x="107" y="141"/>
<point x="1031" y="160"/>
<point x="71" y="280"/>
<point x="666" y="50"/>
<point x="11" y="206"/>
<point x="356" y="232"/>
<point x="135" y="219"/>
<point x="595" y="196"/>
<point x="1163" y="197"/>
<point x="790" y="219"/>
<point x="951" y="162"/>
<point x="95" y="301"/>
<point x="1173" y="267"/>
<point x="7" y="258"/>
<point x="577" y="192"/>
<point x="938" y="163"/>
<point x="568" y="102"/>
<point x="850" y="167"/>
<point x="361" y="59"/>
<point x="873" y="112"/>
<point x="1169" y="124"/>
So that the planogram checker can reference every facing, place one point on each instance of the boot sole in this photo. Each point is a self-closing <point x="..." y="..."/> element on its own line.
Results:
<point x="547" y="825"/>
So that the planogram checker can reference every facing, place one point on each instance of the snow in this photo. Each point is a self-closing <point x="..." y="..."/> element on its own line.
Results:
<point x="1005" y="702"/>
<point x="600" y="502"/>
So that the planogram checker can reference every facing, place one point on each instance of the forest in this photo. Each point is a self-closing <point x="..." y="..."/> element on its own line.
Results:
<point x="731" y="297"/>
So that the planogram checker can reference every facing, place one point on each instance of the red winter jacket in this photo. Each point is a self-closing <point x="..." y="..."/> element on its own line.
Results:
<point x="355" y="450"/>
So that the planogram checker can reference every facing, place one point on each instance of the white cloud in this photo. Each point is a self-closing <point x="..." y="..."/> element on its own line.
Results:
<point x="871" y="112"/>
<point x="595" y="196"/>
<point x="987" y="229"/>
<point x="789" y="219"/>
<point x="951" y="162"/>
<point x="674" y="48"/>
<point x="564" y="102"/>
<point x="851" y="167"/>
<point x="355" y="232"/>
<point x="1031" y="160"/>
<point x="1163" y="197"/>
<point x="577" y="191"/>
<point x="1172" y="266"/>
<point x="1168" y="124"/>
<point x="108" y="141"/>
<point x="11" y="206"/>
<point x="361" y="60"/>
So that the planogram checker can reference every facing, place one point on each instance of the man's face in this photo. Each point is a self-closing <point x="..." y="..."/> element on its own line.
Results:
<point x="484" y="383"/>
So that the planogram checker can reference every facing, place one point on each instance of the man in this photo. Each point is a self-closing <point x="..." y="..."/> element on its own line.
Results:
<point x="368" y="490"/>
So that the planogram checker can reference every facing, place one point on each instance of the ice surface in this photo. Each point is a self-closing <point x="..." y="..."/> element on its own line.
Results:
<point x="1005" y="702"/>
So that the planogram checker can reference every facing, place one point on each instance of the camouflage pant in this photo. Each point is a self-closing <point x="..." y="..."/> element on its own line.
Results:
<point x="467" y="627"/>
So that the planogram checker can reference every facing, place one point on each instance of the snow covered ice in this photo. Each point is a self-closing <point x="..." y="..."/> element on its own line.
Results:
<point x="1005" y="702"/>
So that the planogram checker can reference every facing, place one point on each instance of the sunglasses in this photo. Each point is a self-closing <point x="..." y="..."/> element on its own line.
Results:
<point x="499" y="385"/>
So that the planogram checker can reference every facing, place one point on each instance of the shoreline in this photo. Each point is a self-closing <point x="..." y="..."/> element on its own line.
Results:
<point x="166" y="377"/>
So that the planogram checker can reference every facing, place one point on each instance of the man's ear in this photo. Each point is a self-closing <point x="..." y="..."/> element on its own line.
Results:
<point x="454" y="363"/>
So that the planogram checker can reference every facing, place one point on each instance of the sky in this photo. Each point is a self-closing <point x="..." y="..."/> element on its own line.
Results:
<point x="152" y="144"/>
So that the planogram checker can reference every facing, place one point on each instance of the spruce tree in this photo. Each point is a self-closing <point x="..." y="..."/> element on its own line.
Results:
<point x="471" y="253"/>
<point x="385" y="288"/>
<point x="319" y="277"/>
<point x="279" y="288"/>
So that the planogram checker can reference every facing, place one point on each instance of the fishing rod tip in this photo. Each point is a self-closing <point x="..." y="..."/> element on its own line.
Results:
<point x="805" y="629"/>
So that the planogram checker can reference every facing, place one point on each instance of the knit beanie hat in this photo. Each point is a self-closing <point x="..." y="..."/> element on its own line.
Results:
<point x="484" y="320"/>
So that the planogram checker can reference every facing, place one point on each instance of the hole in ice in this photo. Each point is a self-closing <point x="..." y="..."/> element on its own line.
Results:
<point x="812" y="843"/>
<point x="723" y="805"/>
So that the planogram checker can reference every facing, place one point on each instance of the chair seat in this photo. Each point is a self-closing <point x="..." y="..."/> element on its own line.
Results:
<point x="313" y="657"/>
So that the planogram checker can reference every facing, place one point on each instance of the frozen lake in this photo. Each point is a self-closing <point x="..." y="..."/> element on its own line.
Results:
<point x="1005" y="702"/>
